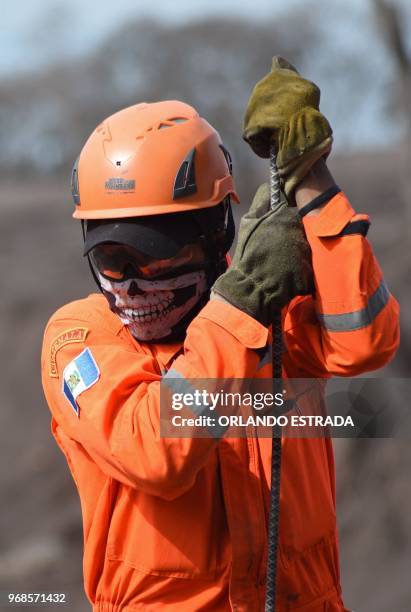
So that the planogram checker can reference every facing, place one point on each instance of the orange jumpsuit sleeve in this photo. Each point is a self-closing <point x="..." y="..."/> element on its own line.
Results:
<point x="117" y="418"/>
<point x="352" y="323"/>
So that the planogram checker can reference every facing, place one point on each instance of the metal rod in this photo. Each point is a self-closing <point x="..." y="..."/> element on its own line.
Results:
<point x="274" y="518"/>
<point x="275" y="194"/>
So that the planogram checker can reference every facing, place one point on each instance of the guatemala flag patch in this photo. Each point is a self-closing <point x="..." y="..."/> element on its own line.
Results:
<point x="79" y="375"/>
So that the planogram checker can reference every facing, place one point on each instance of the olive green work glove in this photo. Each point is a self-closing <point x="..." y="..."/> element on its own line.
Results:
<point x="283" y="111"/>
<point x="271" y="263"/>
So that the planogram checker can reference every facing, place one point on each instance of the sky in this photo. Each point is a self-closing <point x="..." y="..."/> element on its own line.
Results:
<point x="29" y="28"/>
<point x="36" y="33"/>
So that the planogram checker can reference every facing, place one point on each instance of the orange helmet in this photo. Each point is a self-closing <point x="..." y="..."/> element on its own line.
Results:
<point x="151" y="159"/>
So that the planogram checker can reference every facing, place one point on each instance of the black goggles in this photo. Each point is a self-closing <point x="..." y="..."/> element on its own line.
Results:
<point x="118" y="262"/>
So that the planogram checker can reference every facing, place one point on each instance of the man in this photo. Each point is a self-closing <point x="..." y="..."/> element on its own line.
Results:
<point x="181" y="523"/>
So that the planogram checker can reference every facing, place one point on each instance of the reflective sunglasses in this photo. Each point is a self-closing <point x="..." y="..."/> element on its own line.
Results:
<point x="118" y="262"/>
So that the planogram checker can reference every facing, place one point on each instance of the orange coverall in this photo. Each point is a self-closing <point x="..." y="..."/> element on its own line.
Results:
<point x="181" y="524"/>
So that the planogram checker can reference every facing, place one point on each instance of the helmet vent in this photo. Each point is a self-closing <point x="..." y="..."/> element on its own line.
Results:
<point x="228" y="159"/>
<point x="185" y="182"/>
<point x="170" y="122"/>
<point x="74" y="183"/>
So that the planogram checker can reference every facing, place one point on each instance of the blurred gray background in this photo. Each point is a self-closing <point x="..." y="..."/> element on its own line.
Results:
<point x="66" y="65"/>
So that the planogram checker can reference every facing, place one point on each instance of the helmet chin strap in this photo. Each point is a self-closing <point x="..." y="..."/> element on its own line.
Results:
<point x="210" y="221"/>
<point x="93" y="273"/>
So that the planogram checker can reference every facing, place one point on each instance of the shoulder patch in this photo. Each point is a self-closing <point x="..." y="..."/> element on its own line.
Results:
<point x="77" y="334"/>
<point x="80" y="374"/>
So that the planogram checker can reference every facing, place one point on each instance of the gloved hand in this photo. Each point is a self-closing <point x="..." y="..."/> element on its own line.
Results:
<point x="271" y="263"/>
<point x="284" y="110"/>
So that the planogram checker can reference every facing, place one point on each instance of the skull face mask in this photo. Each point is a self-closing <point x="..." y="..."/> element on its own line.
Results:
<point x="152" y="309"/>
<point x="152" y="296"/>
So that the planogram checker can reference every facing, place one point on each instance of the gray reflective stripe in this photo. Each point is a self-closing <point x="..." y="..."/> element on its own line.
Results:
<point x="267" y="356"/>
<point x="175" y="381"/>
<point x="178" y="384"/>
<point x="350" y="321"/>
